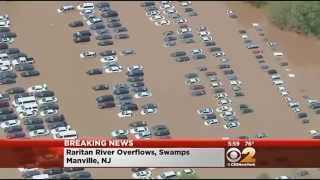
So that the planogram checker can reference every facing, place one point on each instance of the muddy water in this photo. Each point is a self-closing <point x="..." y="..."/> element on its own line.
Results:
<point x="45" y="35"/>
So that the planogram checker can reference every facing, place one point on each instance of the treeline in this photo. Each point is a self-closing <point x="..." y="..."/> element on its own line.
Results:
<point x="299" y="16"/>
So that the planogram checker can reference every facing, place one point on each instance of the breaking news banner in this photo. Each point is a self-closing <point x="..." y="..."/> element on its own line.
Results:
<point x="205" y="153"/>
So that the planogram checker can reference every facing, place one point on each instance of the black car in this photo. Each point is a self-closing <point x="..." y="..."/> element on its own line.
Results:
<point x="81" y="175"/>
<point x="6" y="117"/>
<point x="129" y="106"/>
<point x="13" y="129"/>
<point x="53" y="171"/>
<point x="121" y="91"/>
<point x="228" y="71"/>
<point x="238" y="93"/>
<point x="61" y="176"/>
<point x="55" y="118"/>
<point x="94" y="71"/>
<point x="6" y="110"/>
<point x="210" y="43"/>
<point x="113" y="19"/>
<point x="47" y="106"/>
<point x="4" y="97"/>
<point x="170" y="38"/>
<point x="29" y="174"/>
<point x="42" y="94"/>
<point x="53" y="125"/>
<point x="178" y="53"/>
<point x="135" y="79"/>
<point x="137" y="84"/>
<point x="182" y="59"/>
<point x="82" y="33"/>
<point x="109" y="14"/>
<point x="138" y="169"/>
<point x="138" y="124"/>
<point x="97" y="26"/>
<point x="73" y="169"/>
<point x="74" y="24"/>
<point x="102" y="31"/>
<point x="104" y="98"/>
<point x="30" y="73"/>
<point x="121" y="36"/>
<point x="160" y="131"/>
<point x="198" y="93"/>
<point x="215" y="49"/>
<point x="33" y="121"/>
<point x="104" y="36"/>
<point x="224" y="66"/>
<point x="100" y="87"/>
<point x="148" y="3"/>
<point x="35" y="127"/>
<point x="106" y="104"/>
<point x="12" y="51"/>
<point x="199" y="56"/>
<point x="7" y="81"/>
<point x="114" y="25"/>
<point x="120" y="30"/>
<point x="108" y="53"/>
<point x="15" y="90"/>
<point x="105" y="43"/>
<point x="272" y="71"/>
<point x="7" y="74"/>
<point x="81" y="39"/>
<point x="135" y="73"/>
<point x="3" y="46"/>
<point x="124" y="97"/>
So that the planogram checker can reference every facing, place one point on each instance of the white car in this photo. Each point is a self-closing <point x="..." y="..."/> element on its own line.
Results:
<point x="224" y="108"/>
<point x="128" y="113"/>
<point x="314" y="132"/>
<point x="162" y="22"/>
<point x="181" y="20"/>
<point x="277" y="82"/>
<point x="4" y="24"/>
<point x="119" y="132"/>
<point x="27" y="113"/>
<point x="61" y="129"/>
<point x="205" y="110"/>
<point x="156" y="17"/>
<point x="277" y="54"/>
<point x="284" y="93"/>
<point x="65" y="8"/>
<point x="38" y="88"/>
<point x="206" y="38"/>
<point x="275" y="76"/>
<point x="39" y="132"/>
<point x="282" y="177"/>
<point x="210" y="122"/>
<point x="142" y="175"/>
<point x="5" y="68"/>
<point x="138" y="129"/>
<point x="235" y="83"/>
<point x="48" y="112"/>
<point x="185" y="3"/>
<point x="112" y="69"/>
<point x="166" y="6"/>
<point x="204" y="33"/>
<point x="4" y="17"/>
<point x="216" y="84"/>
<point x="221" y="95"/>
<point x="86" y="6"/>
<point x="184" y="30"/>
<point x="227" y="113"/>
<point x="225" y="101"/>
<point x="296" y="109"/>
<point x="233" y="124"/>
<point x="153" y="13"/>
<point x="70" y="134"/>
<point x="293" y="104"/>
<point x="143" y="135"/>
<point x="192" y="81"/>
<point x="88" y="54"/>
<point x="197" y="51"/>
<point x="86" y="11"/>
<point x="149" y="111"/>
<point x="282" y="88"/>
<point x="40" y="176"/>
<point x="133" y="67"/>
<point x="109" y="59"/>
<point x="10" y="123"/>
<point x="142" y="94"/>
<point x="47" y="100"/>
<point x="27" y="169"/>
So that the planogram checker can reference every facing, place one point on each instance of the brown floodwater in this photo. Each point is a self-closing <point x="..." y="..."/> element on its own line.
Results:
<point x="44" y="34"/>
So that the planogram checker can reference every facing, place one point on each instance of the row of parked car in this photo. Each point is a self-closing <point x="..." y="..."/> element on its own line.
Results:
<point x="12" y="60"/>
<point x="275" y="77"/>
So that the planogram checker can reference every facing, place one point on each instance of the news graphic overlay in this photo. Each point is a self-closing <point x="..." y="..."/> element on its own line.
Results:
<point x="206" y="153"/>
<point x="127" y="153"/>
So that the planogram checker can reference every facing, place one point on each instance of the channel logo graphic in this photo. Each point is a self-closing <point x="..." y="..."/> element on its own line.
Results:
<point x="244" y="158"/>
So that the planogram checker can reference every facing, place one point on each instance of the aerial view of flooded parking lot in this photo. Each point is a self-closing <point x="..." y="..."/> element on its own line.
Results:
<point x="155" y="70"/>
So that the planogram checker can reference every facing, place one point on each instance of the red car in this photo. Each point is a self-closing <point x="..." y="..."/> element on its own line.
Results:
<point x="257" y="51"/>
<point x="4" y="104"/>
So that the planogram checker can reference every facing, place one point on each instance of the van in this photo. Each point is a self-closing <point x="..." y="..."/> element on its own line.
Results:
<point x="65" y="8"/>
<point x="277" y="53"/>
<point x="71" y="134"/>
<point x="167" y="175"/>
<point x="41" y="176"/>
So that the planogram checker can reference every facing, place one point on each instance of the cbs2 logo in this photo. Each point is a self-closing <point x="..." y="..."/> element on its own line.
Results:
<point x="235" y="155"/>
